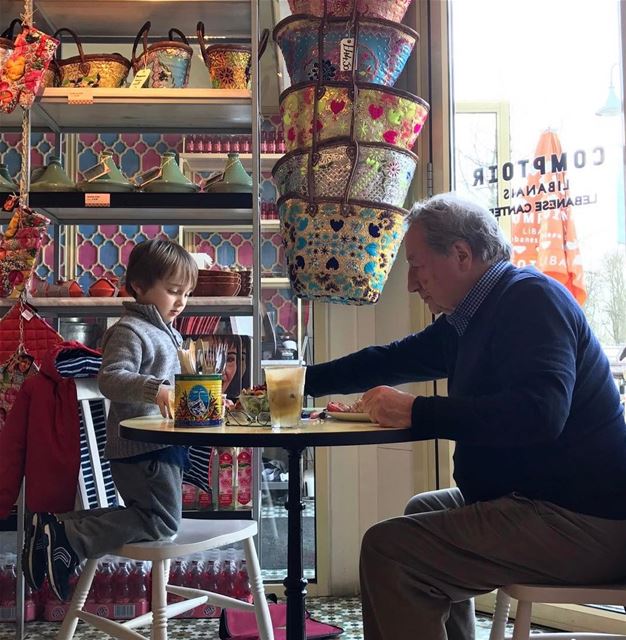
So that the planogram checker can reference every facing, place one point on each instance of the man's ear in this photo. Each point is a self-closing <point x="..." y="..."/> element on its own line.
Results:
<point x="463" y="253"/>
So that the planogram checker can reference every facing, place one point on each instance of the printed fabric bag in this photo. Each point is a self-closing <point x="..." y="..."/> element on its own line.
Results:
<point x="22" y="75"/>
<point x="169" y="61"/>
<point x="241" y="625"/>
<point x="24" y="339"/>
<point x="19" y="246"/>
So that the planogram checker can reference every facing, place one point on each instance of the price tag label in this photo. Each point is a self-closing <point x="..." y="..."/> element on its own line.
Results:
<point x="97" y="199"/>
<point x="80" y="96"/>
<point x="27" y="314"/>
<point x="140" y="79"/>
<point x="346" y="54"/>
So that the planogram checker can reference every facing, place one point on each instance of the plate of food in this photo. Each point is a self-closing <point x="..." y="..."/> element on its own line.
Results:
<point x="346" y="412"/>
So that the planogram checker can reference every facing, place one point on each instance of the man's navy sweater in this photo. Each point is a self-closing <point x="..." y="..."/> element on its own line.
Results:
<point x="532" y="405"/>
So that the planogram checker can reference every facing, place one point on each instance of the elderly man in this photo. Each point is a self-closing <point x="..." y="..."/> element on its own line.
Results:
<point x="540" y="457"/>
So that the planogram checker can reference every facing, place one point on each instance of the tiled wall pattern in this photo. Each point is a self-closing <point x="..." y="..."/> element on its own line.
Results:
<point x="104" y="249"/>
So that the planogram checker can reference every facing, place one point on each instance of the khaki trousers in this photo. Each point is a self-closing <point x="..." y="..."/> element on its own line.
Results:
<point x="420" y="571"/>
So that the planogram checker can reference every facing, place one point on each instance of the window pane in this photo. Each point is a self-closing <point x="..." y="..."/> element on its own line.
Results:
<point x="539" y="139"/>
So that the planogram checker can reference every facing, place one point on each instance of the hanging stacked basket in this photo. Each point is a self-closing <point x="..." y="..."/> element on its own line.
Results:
<point x="349" y="136"/>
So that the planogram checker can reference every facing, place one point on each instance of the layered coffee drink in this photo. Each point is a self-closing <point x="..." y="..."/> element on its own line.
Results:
<point x="285" y="391"/>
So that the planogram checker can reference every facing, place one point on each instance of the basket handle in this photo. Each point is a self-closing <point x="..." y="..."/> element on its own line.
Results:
<point x="84" y="67"/>
<point x="265" y="34"/>
<point x="172" y="32"/>
<point x="145" y="29"/>
<point x="200" y="33"/>
<point x="9" y="32"/>
<point x="353" y="146"/>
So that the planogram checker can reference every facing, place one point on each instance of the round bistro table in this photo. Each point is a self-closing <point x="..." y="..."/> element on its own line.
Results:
<point x="325" y="433"/>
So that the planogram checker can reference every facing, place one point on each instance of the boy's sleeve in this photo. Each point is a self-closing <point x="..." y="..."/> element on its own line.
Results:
<point x="119" y="378"/>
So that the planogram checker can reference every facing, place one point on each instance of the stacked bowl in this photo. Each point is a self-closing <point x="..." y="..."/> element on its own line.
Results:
<point x="213" y="282"/>
<point x="349" y="136"/>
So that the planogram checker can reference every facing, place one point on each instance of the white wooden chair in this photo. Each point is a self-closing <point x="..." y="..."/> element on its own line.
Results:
<point x="526" y="594"/>
<point x="193" y="536"/>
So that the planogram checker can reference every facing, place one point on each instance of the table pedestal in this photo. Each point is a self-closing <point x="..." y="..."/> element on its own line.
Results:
<point x="295" y="583"/>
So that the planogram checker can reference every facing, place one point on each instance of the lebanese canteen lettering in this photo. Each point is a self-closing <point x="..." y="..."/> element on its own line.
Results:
<point x="547" y="187"/>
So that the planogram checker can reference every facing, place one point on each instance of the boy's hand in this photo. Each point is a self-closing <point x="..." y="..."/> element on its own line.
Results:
<point x="165" y="400"/>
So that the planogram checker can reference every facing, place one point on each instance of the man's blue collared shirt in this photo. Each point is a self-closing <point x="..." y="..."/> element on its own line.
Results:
<point x="461" y="316"/>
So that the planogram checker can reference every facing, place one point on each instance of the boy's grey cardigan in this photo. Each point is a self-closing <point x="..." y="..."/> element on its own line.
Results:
<point x="139" y="353"/>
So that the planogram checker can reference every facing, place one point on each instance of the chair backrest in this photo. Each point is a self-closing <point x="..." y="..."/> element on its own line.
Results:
<point x="95" y="482"/>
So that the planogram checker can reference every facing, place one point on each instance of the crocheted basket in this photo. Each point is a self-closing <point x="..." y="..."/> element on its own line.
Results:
<point x="169" y="61"/>
<point x="381" y="114"/>
<point x="107" y="70"/>
<point x="382" y="173"/>
<point x="382" y="48"/>
<point x="340" y="252"/>
<point x="385" y="9"/>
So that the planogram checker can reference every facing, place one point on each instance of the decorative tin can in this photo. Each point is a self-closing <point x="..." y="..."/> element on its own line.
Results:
<point x="198" y="400"/>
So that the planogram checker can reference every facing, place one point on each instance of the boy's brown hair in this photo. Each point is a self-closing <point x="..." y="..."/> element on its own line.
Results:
<point x="159" y="259"/>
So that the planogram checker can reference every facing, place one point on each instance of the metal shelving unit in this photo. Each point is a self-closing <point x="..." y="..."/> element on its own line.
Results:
<point x="63" y="110"/>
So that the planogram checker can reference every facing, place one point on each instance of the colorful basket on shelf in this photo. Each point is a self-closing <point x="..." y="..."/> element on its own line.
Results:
<point x="108" y="70"/>
<point x="169" y="61"/>
<point x="340" y="252"/>
<point x="228" y="64"/>
<point x="385" y="9"/>
<point x="381" y="173"/>
<point x="377" y="49"/>
<point x="7" y="41"/>
<point x="381" y="114"/>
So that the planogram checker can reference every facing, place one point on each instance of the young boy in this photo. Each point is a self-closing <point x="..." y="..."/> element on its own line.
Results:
<point x="138" y="366"/>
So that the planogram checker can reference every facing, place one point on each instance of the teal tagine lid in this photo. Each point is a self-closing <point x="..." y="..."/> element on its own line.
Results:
<point x="234" y="179"/>
<point x="53" y="178"/>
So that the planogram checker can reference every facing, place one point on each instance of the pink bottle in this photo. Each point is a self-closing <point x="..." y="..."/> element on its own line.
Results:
<point x="225" y="475"/>
<point x="244" y="478"/>
<point x="138" y="583"/>
<point x="9" y="584"/>
<point x="242" y="583"/>
<point x="190" y="144"/>
<point x="211" y="570"/>
<point x="226" y="577"/>
<point x="103" y="583"/>
<point x="121" y="584"/>
<point x="177" y="578"/>
<point x="193" y="578"/>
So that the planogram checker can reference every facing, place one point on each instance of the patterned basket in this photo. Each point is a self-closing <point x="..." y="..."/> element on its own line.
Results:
<point x="107" y="70"/>
<point x="382" y="173"/>
<point x="384" y="9"/>
<point x="228" y="64"/>
<point x="6" y="41"/>
<point x="169" y="61"/>
<point x="340" y="252"/>
<point x="308" y="43"/>
<point x="381" y="114"/>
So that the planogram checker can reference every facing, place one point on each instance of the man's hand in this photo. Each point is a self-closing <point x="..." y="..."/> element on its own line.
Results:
<point x="165" y="400"/>
<point x="388" y="406"/>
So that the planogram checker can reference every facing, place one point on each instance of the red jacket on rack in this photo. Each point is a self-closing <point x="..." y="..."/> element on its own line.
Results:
<point x="41" y="437"/>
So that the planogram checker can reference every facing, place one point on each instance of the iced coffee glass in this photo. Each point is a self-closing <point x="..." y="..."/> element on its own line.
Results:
<point x="285" y="391"/>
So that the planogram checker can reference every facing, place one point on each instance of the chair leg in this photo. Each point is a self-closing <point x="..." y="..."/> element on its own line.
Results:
<point x="159" y="600"/>
<point x="78" y="601"/>
<point x="500" y="615"/>
<point x="521" y="631"/>
<point x="261" y="610"/>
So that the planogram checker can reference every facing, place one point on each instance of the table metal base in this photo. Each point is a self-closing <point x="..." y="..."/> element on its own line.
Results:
<point x="295" y="583"/>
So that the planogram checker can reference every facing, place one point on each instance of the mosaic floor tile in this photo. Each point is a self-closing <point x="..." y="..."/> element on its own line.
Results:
<point x="343" y="612"/>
